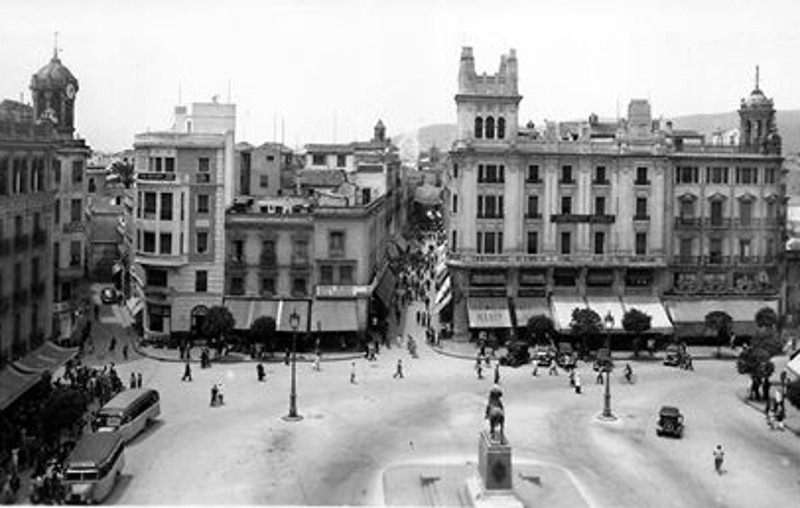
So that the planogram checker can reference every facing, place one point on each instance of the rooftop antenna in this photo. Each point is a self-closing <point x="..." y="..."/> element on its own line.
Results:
<point x="180" y="94"/>
<point x="55" y="45"/>
<point x="229" y="90"/>
<point x="756" y="75"/>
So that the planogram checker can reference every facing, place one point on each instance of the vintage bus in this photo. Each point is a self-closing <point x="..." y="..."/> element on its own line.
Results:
<point x="129" y="412"/>
<point x="93" y="467"/>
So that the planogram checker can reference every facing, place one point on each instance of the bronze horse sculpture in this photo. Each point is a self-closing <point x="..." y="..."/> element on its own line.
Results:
<point x="496" y="414"/>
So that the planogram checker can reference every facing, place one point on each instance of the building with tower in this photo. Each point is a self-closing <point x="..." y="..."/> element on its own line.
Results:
<point x="54" y="91"/>
<point x="611" y="215"/>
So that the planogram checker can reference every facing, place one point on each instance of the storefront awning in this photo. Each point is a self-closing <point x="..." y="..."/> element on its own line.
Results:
<point x="608" y="305"/>
<point x="742" y="311"/>
<point x="334" y="316"/>
<point x="488" y="313"/>
<point x="241" y="311"/>
<point x="14" y="383"/>
<point x="794" y="365"/>
<point x="386" y="286"/>
<point x="526" y="308"/>
<point x="443" y="291"/>
<point x="562" y="307"/>
<point x="652" y="306"/>
<point x="286" y="308"/>
<point x="265" y="308"/>
<point x="46" y="358"/>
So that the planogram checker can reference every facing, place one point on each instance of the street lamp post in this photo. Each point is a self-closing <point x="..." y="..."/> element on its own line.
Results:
<point x="294" y="322"/>
<point x="607" y="414"/>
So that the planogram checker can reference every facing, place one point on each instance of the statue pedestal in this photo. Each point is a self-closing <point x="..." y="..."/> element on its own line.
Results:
<point x="491" y="485"/>
<point x="494" y="463"/>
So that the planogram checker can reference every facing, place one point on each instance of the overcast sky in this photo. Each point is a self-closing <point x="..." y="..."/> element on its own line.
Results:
<point x="327" y="70"/>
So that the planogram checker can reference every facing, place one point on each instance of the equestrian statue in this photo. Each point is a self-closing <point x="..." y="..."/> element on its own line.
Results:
<point x="495" y="414"/>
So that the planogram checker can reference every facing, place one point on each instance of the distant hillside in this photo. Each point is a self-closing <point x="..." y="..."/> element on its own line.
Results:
<point x="443" y="135"/>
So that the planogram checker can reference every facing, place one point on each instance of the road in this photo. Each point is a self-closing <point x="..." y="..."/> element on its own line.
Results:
<point x="244" y="453"/>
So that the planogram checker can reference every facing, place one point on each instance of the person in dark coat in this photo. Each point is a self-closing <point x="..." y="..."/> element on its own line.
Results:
<point x="260" y="372"/>
<point x="187" y="372"/>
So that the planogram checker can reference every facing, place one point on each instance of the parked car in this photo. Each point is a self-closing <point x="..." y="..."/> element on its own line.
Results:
<point x="603" y="360"/>
<point x="517" y="355"/>
<point x="544" y="356"/>
<point x="110" y="295"/>
<point x="566" y="357"/>
<point x="670" y="422"/>
<point x="674" y="356"/>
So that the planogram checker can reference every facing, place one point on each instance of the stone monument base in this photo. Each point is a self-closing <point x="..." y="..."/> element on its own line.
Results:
<point x="479" y="497"/>
<point x="494" y="462"/>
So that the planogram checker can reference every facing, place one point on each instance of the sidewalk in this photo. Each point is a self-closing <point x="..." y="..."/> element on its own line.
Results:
<point x="792" y="420"/>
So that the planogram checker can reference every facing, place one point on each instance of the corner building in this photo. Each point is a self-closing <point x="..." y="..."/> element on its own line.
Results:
<point x="606" y="214"/>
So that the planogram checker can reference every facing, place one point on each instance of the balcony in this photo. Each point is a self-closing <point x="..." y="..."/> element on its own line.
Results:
<point x="70" y="272"/>
<point x="156" y="176"/>
<point x="300" y="262"/>
<point x="722" y="260"/>
<point x="572" y="218"/>
<point x="604" y="181"/>
<point x="641" y="217"/>
<point x="21" y="243"/>
<point x="507" y="260"/>
<point x="641" y="182"/>
<point x="269" y="261"/>
<point x="39" y="237"/>
<point x="717" y="223"/>
<point x="688" y="222"/>
<point x="74" y="227"/>
<point x="237" y="260"/>
<point x="154" y="259"/>
<point x="537" y="181"/>
<point x="157" y="293"/>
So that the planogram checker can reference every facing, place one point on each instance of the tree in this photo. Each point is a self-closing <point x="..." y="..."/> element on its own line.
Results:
<point x="124" y="171"/>
<point x="61" y="412"/>
<point x="218" y="323"/>
<point x="637" y="322"/>
<point x="721" y="323"/>
<point x="585" y="324"/>
<point x="756" y="363"/>
<point x="263" y="330"/>
<point x="767" y="318"/>
<point x="540" y="329"/>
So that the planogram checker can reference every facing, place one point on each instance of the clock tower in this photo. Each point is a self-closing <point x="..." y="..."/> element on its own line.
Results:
<point x="53" y="88"/>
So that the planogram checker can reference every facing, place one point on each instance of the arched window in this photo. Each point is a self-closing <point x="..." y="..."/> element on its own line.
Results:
<point x="490" y="128"/>
<point x="501" y="128"/>
<point x="478" y="127"/>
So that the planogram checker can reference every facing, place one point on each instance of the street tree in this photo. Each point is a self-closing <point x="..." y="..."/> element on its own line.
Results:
<point x="218" y="324"/>
<point x="124" y="171"/>
<point x="636" y="322"/>
<point x="540" y="329"/>
<point x="263" y="331"/>
<point x="586" y="324"/>
<point x="766" y="317"/>
<point x="755" y="362"/>
<point x="721" y="323"/>
<point x="62" y="412"/>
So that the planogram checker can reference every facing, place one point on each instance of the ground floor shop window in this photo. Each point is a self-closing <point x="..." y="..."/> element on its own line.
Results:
<point x="158" y="317"/>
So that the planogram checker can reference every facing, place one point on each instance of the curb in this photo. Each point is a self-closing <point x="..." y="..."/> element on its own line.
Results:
<point x="758" y="407"/>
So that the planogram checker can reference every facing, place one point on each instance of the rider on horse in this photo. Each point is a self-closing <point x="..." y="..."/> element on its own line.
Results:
<point x="495" y="412"/>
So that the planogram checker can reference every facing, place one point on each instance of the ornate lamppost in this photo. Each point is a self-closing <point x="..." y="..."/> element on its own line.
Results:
<point x="294" y="322"/>
<point x="607" y="414"/>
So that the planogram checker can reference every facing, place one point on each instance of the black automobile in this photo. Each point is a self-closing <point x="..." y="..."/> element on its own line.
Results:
<point x="603" y="360"/>
<point x="110" y="295"/>
<point x="517" y="355"/>
<point x="670" y="422"/>
<point x="544" y="356"/>
<point x="566" y="358"/>
<point x="674" y="356"/>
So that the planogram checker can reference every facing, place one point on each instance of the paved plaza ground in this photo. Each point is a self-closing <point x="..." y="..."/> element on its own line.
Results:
<point x="362" y="443"/>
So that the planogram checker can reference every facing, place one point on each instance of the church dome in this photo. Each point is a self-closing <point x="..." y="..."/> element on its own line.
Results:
<point x="757" y="98"/>
<point x="53" y="75"/>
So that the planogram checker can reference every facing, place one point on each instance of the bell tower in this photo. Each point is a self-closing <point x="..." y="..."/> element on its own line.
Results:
<point x="53" y="88"/>
<point x="757" y="130"/>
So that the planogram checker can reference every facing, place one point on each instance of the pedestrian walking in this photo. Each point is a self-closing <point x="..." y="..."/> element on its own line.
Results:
<point x="497" y="373"/>
<point x="719" y="457"/>
<point x="113" y="345"/>
<point x="577" y="381"/>
<point x="599" y="379"/>
<point x="553" y="369"/>
<point x="214" y="393"/>
<point x="139" y="380"/>
<point x="187" y="372"/>
<point x="286" y="357"/>
<point x="132" y="383"/>
<point x="125" y="352"/>
<point x="399" y="371"/>
<point x="535" y="372"/>
<point x="260" y="373"/>
<point x="317" y="359"/>
<point x="353" y="373"/>
<point x="479" y="368"/>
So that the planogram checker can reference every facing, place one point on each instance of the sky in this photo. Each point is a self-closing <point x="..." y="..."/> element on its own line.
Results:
<point x="316" y="71"/>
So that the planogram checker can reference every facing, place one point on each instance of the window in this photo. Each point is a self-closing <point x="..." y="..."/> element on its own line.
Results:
<point x="533" y="207"/>
<point x="454" y="242"/>
<point x="56" y="255"/>
<point x="490" y="207"/>
<point x="744" y="249"/>
<point x="366" y="196"/>
<point x="77" y="172"/>
<point x="149" y="205"/>
<point x="203" y="164"/>
<point x="715" y="250"/>
<point x="489" y="127"/>
<point x="687" y="174"/>
<point x="771" y="209"/>
<point x="270" y="158"/>
<point x="341" y="161"/>
<point x="165" y="243"/>
<point x="75" y="254"/>
<point x="169" y="164"/>
<point x="491" y="173"/>
<point x="747" y="175"/>
<point x="318" y="159"/>
<point x="3" y="177"/>
<point x="237" y="286"/>
<point x="149" y="241"/>
<point x="687" y="209"/>
<point x="745" y="212"/>
<point x="202" y="203"/>
<point x="716" y="213"/>
<point x="204" y="178"/>
<point x="686" y="249"/>
<point x="641" y="244"/>
<point x="600" y="175"/>
<point x="18" y="226"/>
<point x="641" y="176"/>
<point x="533" y="174"/>
<point x="92" y="186"/>
<point x="770" y="248"/>
<point x="345" y="274"/>
<point x="166" y="206"/>
<point x="57" y="172"/>
<point x="599" y="242"/>
<point x="300" y="253"/>
<point x="492" y="242"/>
<point x="641" y="208"/>
<point x="267" y="286"/>
<point x="717" y="175"/>
<point x="268" y="253"/>
<point x="76" y="206"/>
<point x="566" y="174"/>
<point x="202" y="242"/>
<point x="263" y="181"/>
<point x="326" y="274"/>
<point x="57" y="211"/>
<point x="158" y="316"/>
<point x="238" y="251"/>
<point x="200" y="281"/>
<point x="769" y="175"/>
<point x="478" y="127"/>
<point x="336" y="244"/>
<point x="533" y="242"/>
<point x="600" y="205"/>
<point x="298" y="286"/>
<point x="566" y="240"/>
<point x="566" y="205"/>
<point x="455" y="203"/>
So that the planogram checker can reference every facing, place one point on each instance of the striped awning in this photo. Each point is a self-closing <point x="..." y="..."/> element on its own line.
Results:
<point x="526" y="308"/>
<point x="241" y="311"/>
<point x="46" y="358"/>
<point x="334" y="316"/>
<point x="742" y="311"/>
<point x="488" y="313"/>
<point x="562" y="307"/>
<point x="652" y="306"/>
<point x="14" y="383"/>
<point x="286" y="308"/>
<point x="608" y="305"/>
